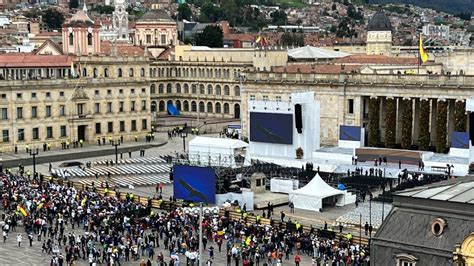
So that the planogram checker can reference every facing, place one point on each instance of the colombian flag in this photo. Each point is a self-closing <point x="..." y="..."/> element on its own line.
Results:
<point x="23" y="211"/>
<point x="423" y="54"/>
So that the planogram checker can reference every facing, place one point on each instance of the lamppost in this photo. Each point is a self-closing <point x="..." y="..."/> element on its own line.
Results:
<point x="184" y="135"/>
<point x="370" y="216"/>
<point x="116" y="150"/>
<point x="34" y="152"/>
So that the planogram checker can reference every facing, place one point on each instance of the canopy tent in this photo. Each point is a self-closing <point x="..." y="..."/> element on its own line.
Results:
<point x="218" y="151"/>
<point x="314" y="53"/>
<point x="311" y="196"/>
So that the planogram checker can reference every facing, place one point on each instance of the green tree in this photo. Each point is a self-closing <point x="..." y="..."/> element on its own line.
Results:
<point x="390" y="122"/>
<point x="53" y="18"/>
<point x="374" y="116"/>
<point x="210" y="13"/>
<point x="441" y="123"/>
<point x="407" y="121"/>
<point x="106" y="9"/>
<point x="211" y="36"/>
<point x="279" y="17"/>
<point x="424" y="119"/>
<point x="230" y="11"/>
<point x="184" y="12"/>
<point x="460" y="116"/>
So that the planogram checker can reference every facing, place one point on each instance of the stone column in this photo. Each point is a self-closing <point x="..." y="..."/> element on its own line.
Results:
<point x="451" y="119"/>
<point x="424" y="124"/>
<point x="416" y="120"/>
<point x="434" y="118"/>
<point x="391" y="122"/>
<point x="460" y="115"/>
<point x="399" y="116"/>
<point x="406" y="124"/>
<point x="374" y="122"/>
<point x="441" y="125"/>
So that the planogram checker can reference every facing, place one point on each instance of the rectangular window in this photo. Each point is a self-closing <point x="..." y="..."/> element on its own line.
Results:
<point x="109" y="92"/>
<point x="19" y="96"/>
<point x="122" y="126"/>
<point x="121" y="107"/>
<point x="252" y="97"/>
<point x="48" y="110"/>
<point x="132" y="106"/>
<point x="97" y="108"/>
<point x="132" y="91"/>
<point x="48" y="95"/>
<point x="110" y="127"/>
<point x="109" y="107"/>
<point x="144" y="105"/>
<point x="350" y="106"/>
<point x="61" y="94"/>
<point x="278" y="98"/>
<point x="144" y="124"/>
<point x="35" y="132"/>
<point x="63" y="131"/>
<point x="148" y="38"/>
<point x="134" y="125"/>
<point x="98" y="128"/>
<point x="4" y="114"/>
<point x="49" y="132"/>
<point x="62" y="110"/>
<point x="34" y="111"/>
<point x="80" y="109"/>
<point x="163" y="39"/>
<point x="21" y="134"/>
<point x="96" y="92"/>
<point x="121" y="91"/>
<point x="5" y="135"/>
<point x="3" y="96"/>
<point x="19" y="112"/>
<point x="33" y="95"/>
<point x="143" y="90"/>
<point x="265" y="97"/>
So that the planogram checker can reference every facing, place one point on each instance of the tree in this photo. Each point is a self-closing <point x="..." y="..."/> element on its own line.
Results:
<point x="230" y="11"/>
<point x="279" y="17"/>
<point x="211" y="36"/>
<point x="184" y="12"/>
<point x="374" y="116"/>
<point x="407" y="122"/>
<point x="53" y="18"/>
<point x="424" y="118"/>
<point x="390" y="122"/>
<point x="441" y="126"/>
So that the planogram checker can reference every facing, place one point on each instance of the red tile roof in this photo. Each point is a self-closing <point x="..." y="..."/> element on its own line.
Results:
<point x="243" y="37"/>
<point x="58" y="48"/>
<point x="122" y="49"/>
<point x="376" y="60"/>
<point x="30" y="60"/>
<point x="166" y="53"/>
<point x="316" y="69"/>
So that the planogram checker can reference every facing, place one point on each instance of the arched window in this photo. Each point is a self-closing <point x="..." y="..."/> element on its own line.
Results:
<point x="202" y="107"/>
<point x="193" y="89"/>
<point x="120" y="72"/>
<point x="218" y="89"/>
<point x="210" y="91"/>
<point x="169" y="88"/>
<point x="226" y="90"/>
<point x="193" y="106"/>
<point x="152" y="89"/>
<point x="84" y="72"/>
<point x="237" y="111"/>
<point x="186" y="88"/>
<point x="218" y="108"/>
<point x="142" y="72"/>
<point x="237" y="91"/>
<point x="161" y="106"/>
<point x="153" y="106"/>
<point x="161" y="88"/>
<point x="226" y="108"/>
<point x="178" y="88"/>
<point x="202" y="90"/>
<point x="209" y="107"/>
<point x="178" y="105"/>
<point x="95" y="72"/>
<point x="71" y="39"/>
<point x="186" y="106"/>
<point x="89" y="39"/>
<point x="130" y="72"/>
<point x="106" y="72"/>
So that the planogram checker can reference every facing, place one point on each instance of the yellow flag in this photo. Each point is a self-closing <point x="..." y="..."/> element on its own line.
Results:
<point x="423" y="54"/>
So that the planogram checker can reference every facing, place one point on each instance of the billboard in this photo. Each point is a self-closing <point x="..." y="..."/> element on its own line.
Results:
<point x="460" y="140"/>
<point x="271" y="127"/>
<point x="350" y="133"/>
<point x="194" y="183"/>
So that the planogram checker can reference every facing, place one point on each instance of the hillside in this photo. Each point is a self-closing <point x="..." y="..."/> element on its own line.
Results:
<point x="449" y="6"/>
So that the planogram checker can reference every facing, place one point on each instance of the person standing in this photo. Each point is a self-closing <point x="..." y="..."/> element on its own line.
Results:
<point x="30" y="238"/>
<point x="4" y="236"/>
<point x="297" y="260"/>
<point x="18" y="238"/>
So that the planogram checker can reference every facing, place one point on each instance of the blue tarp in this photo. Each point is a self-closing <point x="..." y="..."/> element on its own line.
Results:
<point x="341" y="186"/>
<point x="172" y="110"/>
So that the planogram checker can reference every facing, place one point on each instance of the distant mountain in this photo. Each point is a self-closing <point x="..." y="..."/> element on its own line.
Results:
<point x="449" y="6"/>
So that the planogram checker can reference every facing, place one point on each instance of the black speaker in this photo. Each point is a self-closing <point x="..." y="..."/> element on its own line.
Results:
<point x="471" y="127"/>
<point x="298" y="118"/>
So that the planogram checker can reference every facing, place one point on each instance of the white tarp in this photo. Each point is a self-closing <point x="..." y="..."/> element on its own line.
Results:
<point x="217" y="151"/>
<point x="311" y="196"/>
<point x="279" y="185"/>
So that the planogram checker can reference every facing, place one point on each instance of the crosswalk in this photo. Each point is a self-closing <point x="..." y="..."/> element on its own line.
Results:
<point x="141" y="171"/>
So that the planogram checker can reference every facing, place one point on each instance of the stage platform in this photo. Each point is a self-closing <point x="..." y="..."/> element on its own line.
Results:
<point x="339" y="160"/>
<point x="261" y="200"/>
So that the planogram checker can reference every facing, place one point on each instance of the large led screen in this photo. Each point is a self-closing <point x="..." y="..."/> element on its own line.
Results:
<point x="271" y="128"/>
<point x="193" y="183"/>
<point x="351" y="133"/>
<point x="460" y="140"/>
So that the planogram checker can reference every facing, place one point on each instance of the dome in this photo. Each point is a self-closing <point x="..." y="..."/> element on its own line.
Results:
<point x="156" y="15"/>
<point x="379" y="22"/>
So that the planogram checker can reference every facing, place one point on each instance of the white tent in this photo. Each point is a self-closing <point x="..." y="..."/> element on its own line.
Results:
<point x="311" y="196"/>
<point x="218" y="151"/>
<point x="314" y="53"/>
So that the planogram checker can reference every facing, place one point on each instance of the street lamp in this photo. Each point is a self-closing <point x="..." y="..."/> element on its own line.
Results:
<point x="184" y="135"/>
<point x="34" y="152"/>
<point x="116" y="150"/>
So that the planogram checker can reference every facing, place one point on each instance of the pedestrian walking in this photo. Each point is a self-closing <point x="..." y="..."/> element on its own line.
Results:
<point x="18" y="239"/>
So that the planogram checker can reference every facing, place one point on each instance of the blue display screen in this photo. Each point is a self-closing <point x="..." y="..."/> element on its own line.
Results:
<point x="271" y="128"/>
<point x="460" y="140"/>
<point x="349" y="133"/>
<point x="193" y="183"/>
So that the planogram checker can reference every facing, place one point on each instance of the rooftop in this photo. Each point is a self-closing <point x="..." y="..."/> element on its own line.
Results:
<point x="317" y="69"/>
<point x="379" y="22"/>
<point x="314" y="53"/>
<point x="30" y="60"/>
<point x="376" y="60"/>
<point x="156" y="15"/>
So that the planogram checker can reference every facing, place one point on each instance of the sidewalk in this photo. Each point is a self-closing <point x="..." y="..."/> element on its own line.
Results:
<point x="89" y="150"/>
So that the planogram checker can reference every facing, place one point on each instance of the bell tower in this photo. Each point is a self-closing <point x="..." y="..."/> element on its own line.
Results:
<point x="120" y="21"/>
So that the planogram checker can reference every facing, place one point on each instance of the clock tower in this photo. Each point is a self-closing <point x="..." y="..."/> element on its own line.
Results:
<point x="120" y="21"/>
<point x="80" y="35"/>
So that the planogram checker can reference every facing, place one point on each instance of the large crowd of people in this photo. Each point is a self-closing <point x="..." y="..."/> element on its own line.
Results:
<point x="74" y="225"/>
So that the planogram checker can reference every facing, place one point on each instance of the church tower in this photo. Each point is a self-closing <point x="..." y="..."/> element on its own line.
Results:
<point x="120" y="21"/>
<point x="80" y="35"/>
<point x="379" y="35"/>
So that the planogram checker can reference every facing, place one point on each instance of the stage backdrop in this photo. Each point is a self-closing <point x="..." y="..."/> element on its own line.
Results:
<point x="271" y="127"/>
<point x="193" y="183"/>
